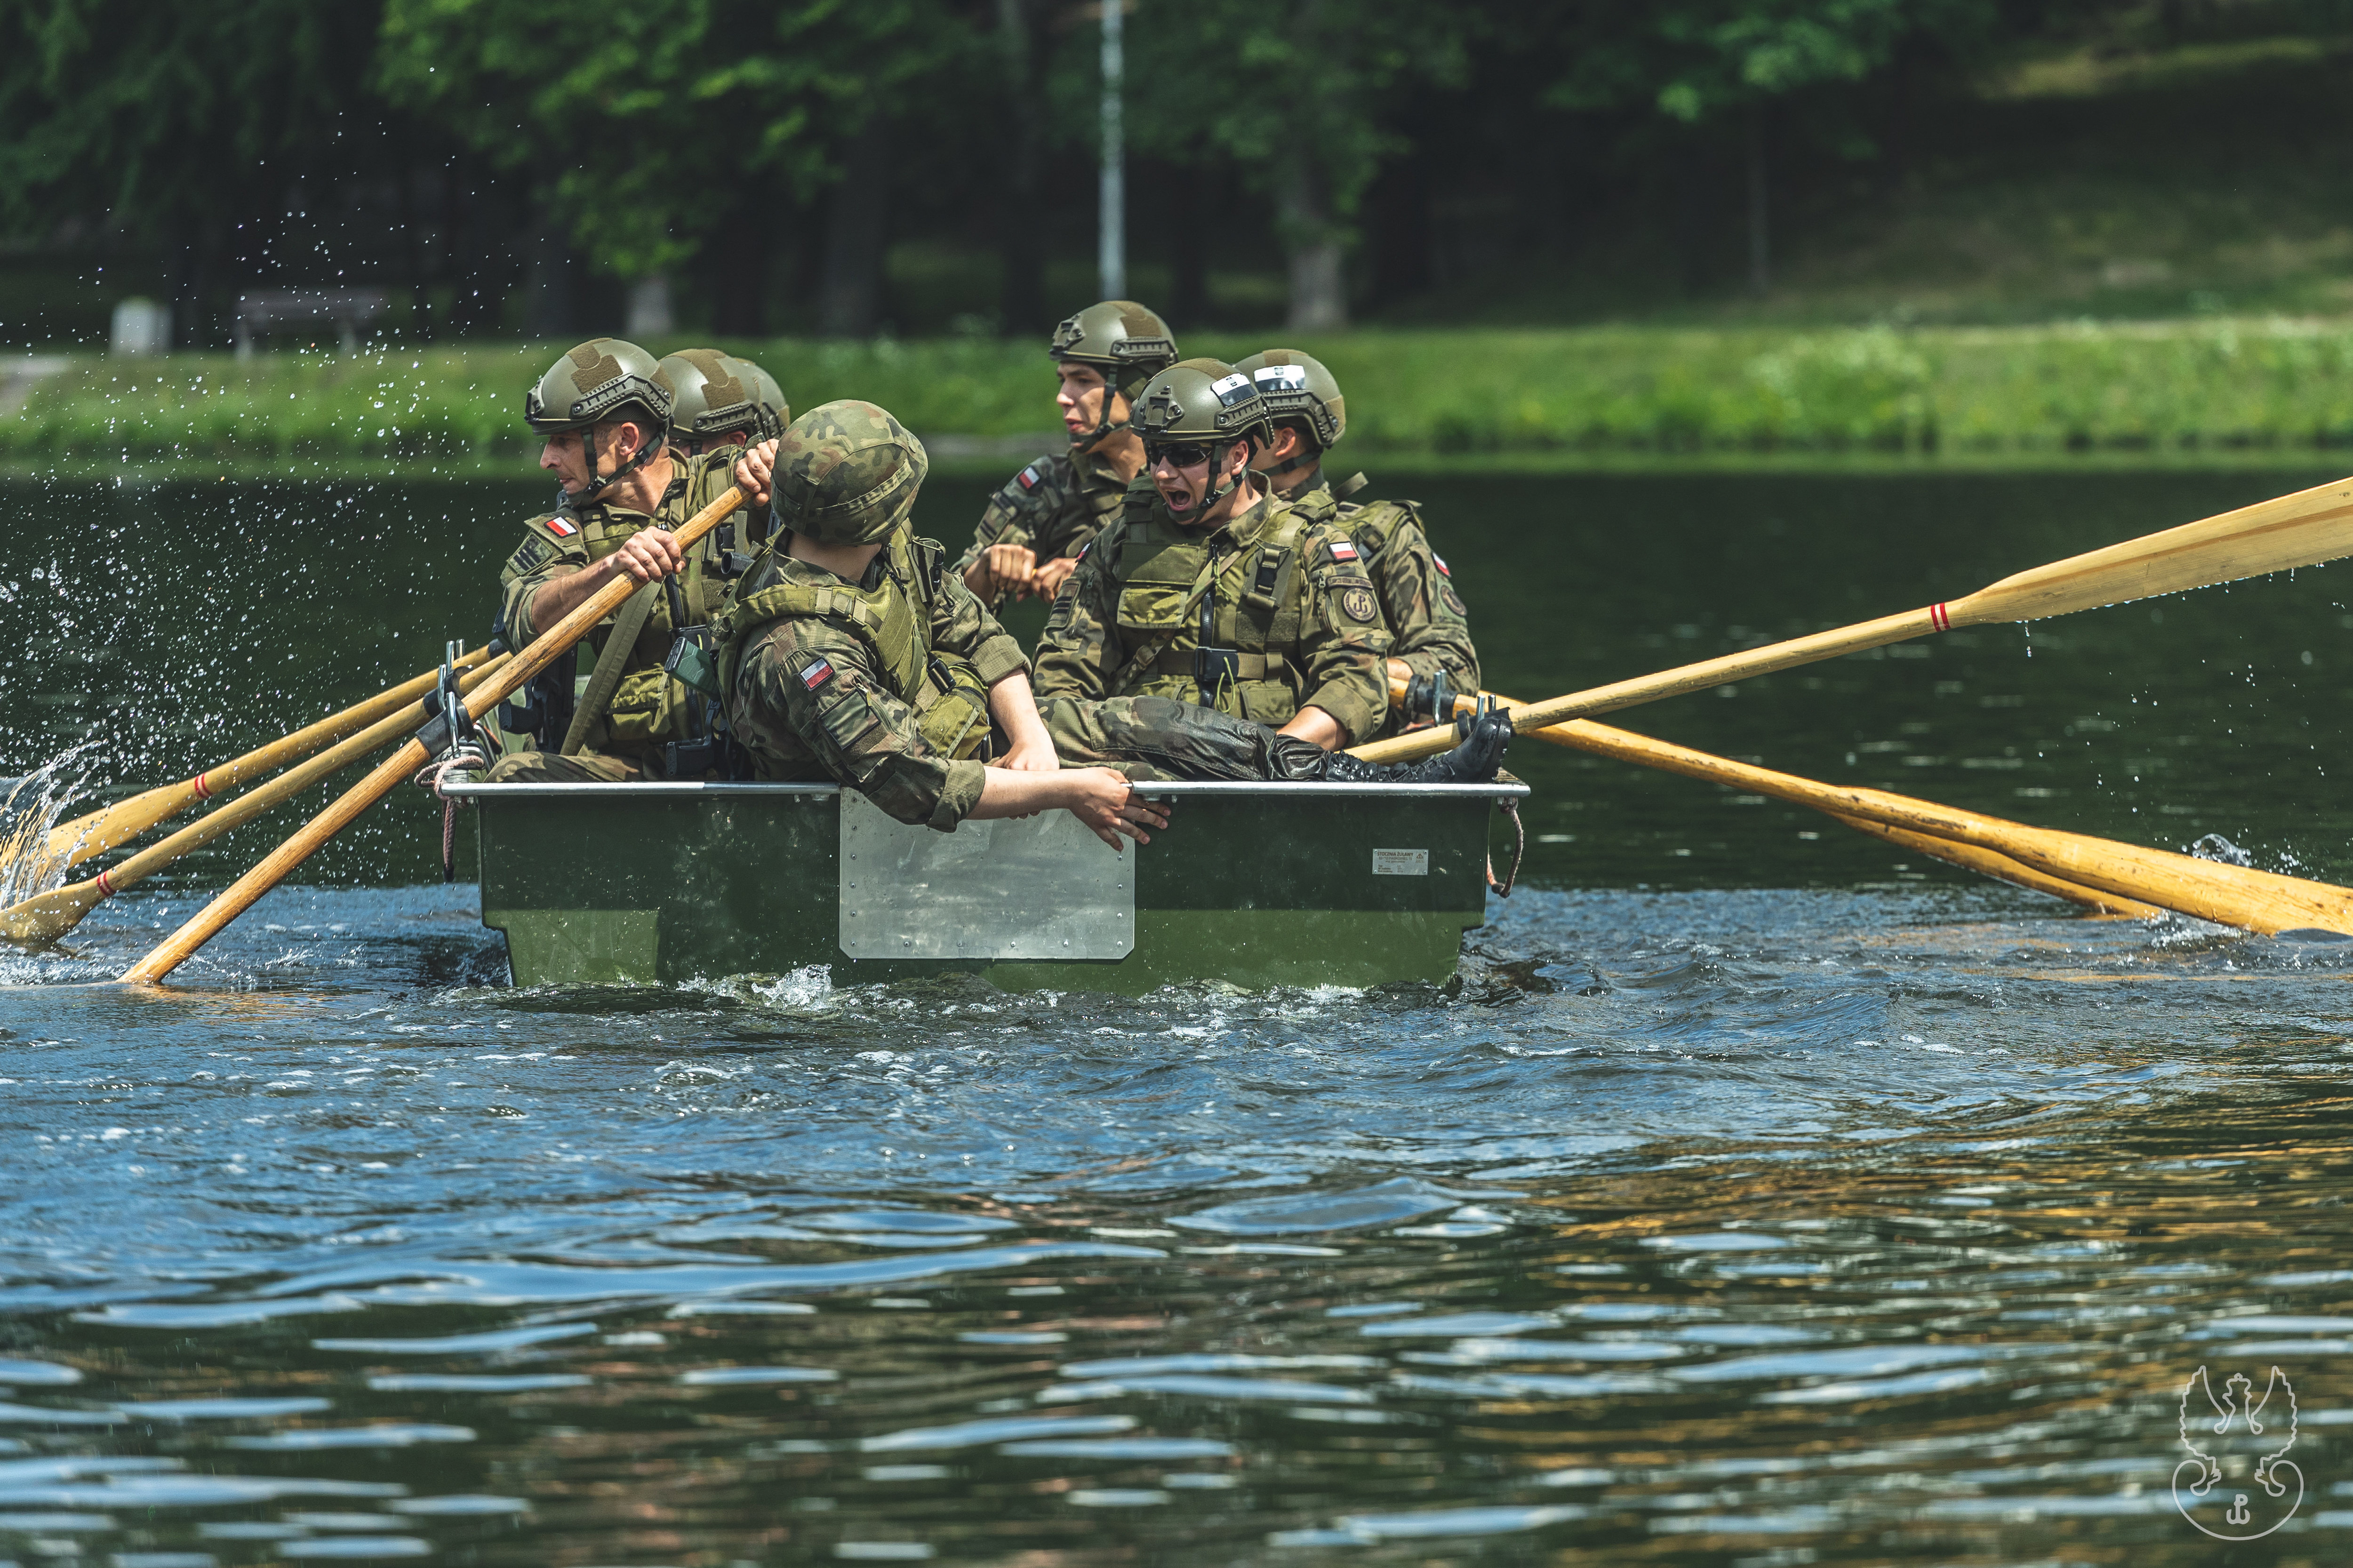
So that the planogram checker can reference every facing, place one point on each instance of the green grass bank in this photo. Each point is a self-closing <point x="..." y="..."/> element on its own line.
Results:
<point x="2229" y="387"/>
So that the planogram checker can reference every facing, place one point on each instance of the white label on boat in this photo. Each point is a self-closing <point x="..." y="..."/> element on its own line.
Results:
<point x="1401" y="862"/>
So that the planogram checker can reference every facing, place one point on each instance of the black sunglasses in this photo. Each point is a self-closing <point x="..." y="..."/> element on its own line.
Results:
<point x="1183" y="455"/>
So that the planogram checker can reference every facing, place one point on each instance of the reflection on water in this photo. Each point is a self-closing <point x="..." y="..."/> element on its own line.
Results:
<point x="1752" y="1199"/>
<point x="1879" y="1226"/>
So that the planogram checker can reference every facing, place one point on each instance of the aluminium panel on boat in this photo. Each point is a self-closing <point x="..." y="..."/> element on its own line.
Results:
<point x="1250" y="884"/>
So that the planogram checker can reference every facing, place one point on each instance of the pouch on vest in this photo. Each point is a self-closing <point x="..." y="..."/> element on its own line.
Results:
<point x="955" y="721"/>
<point x="646" y="706"/>
<point x="1152" y="607"/>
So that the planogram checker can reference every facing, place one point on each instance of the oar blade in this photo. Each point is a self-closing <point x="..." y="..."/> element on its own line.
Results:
<point x="51" y="915"/>
<point x="112" y="826"/>
<point x="2278" y="535"/>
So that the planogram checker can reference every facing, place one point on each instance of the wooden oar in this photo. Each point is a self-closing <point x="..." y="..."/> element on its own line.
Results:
<point x="2261" y="901"/>
<point x="125" y="820"/>
<point x="544" y="650"/>
<point x="51" y="915"/>
<point x="2301" y="530"/>
<point x="1584" y="736"/>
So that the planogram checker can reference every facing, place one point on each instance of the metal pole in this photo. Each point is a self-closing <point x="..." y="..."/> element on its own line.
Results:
<point x="1111" y="247"/>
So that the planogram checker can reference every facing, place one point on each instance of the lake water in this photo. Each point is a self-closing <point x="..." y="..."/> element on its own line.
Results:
<point x="1757" y="1197"/>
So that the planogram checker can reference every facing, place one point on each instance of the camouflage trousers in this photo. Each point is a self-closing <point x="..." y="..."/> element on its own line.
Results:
<point x="554" y="767"/>
<point x="1160" y="737"/>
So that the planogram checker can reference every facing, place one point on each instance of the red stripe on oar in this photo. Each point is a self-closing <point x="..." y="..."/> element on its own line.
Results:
<point x="197" y="783"/>
<point x="1939" y="619"/>
<point x="105" y="888"/>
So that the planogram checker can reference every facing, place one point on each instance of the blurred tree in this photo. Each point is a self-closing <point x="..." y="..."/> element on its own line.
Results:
<point x="1702" y="62"/>
<point x="182" y="127"/>
<point x="657" y="127"/>
<point x="1293" y="97"/>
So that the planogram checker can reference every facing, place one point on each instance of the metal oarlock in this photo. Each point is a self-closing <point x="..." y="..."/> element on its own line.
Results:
<point x="459" y="746"/>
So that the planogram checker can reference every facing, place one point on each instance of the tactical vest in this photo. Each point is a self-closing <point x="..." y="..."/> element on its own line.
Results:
<point x="651" y="706"/>
<point x="894" y="620"/>
<point x="1207" y="622"/>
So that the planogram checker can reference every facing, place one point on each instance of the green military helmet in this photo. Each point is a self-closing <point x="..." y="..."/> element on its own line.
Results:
<point x="846" y="473"/>
<point x="600" y="380"/>
<point x="1201" y="400"/>
<point x="774" y="412"/>
<point x="1120" y="338"/>
<point x="1296" y="386"/>
<point x="715" y="397"/>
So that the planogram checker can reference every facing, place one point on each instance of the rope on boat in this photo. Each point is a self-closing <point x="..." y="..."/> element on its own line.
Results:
<point x="1510" y="808"/>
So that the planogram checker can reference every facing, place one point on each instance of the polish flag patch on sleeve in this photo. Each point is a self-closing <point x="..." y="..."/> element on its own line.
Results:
<point x="563" y="528"/>
<point x="1444" y="569"/>
<point x="1028" y="478"/>
<point x="1342" y="550"/>
<point x="816" y="674"/>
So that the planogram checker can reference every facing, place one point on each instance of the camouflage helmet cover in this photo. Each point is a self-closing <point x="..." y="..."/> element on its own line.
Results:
<point x="774" y="412"/>
<point x="1119" y="337"/>
<point x="714" y="395"/>
<point x="1296" y="385"/>
<point x="1201" y="400"/>
<point x="847" y="473"/>
<point x="598" y="381"/>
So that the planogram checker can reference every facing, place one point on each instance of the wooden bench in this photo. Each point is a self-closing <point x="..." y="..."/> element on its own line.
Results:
<point x="258" y="315"/>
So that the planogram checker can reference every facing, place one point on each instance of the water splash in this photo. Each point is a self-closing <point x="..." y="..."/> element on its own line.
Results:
<point x="33" y="807"/>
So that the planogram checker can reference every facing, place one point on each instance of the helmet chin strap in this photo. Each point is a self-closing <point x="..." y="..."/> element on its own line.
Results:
<point x="1222" y="484"/>
<point x="597" y="487"/>
<point x="1104" y="429"/>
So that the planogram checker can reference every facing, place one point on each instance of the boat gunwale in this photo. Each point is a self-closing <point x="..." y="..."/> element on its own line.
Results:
<point x="472" y="789"/>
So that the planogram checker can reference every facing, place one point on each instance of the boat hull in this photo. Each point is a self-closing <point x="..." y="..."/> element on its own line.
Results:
<point x="1254" y="885"/>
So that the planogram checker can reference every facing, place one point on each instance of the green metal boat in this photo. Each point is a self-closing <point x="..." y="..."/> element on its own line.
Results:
<point x="1253" y="884"/>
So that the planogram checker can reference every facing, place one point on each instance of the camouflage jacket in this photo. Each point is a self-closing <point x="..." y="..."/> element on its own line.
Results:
<point x="1055" y="506"/>
<point x="1426" y="615"/>
<point x="813" y="699"/>
<point x="1292" y="619"/>
<point x="649" y="707"/>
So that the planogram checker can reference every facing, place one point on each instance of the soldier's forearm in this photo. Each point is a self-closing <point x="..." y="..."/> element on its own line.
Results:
<point x="559" y="597"/>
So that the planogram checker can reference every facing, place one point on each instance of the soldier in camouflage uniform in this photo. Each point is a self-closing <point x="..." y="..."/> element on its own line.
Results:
<point x="721" y="401"/>
<point x="1431" y="653"/>
<point x="1211" y="597"/>
<point x="605" y="409"/>
<point x="1030" y="537"/>
<point x="853" y="654"/>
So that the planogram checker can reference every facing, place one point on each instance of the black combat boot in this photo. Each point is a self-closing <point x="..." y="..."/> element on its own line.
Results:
<point x="1475" y="759"/>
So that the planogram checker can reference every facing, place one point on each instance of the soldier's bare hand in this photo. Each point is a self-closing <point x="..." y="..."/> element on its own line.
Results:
<point x="1107" y="803"/>
<point x="751" y="471"/>
<point x="1001" y="569"/>
<point x="648" y="554"/>
<point x="1047" y="581"/>
<point x="1031" y="755"/>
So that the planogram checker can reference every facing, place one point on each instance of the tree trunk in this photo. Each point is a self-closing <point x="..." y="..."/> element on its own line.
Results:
<point x="1020" y="210"/>
<point x="1319" y="290"/>
<point x="1761" y="239"/>
<point x="850" y="297"/>
<point x="548" y="312"/>
<point x="738" y="270"/>
<point x="1192" y="192"/>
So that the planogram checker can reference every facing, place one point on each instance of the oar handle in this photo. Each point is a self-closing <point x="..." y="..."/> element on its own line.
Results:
<point x="545" y="649"/>
<point x="1642" y="689"/>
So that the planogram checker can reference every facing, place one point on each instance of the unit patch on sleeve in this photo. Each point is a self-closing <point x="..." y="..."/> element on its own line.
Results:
<point x="1357" y="604"/>
<point x="529" y="555"/>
